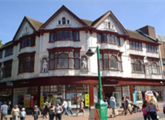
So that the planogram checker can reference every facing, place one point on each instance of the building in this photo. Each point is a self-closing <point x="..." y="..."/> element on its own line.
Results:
<point x="47" y="61"/>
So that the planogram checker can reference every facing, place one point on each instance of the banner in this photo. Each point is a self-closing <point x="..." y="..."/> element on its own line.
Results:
<point x="32" y="101"/>
<point x="41" y="101"/>
<point x="86" y="100"/>
<point x="27" y="101"/>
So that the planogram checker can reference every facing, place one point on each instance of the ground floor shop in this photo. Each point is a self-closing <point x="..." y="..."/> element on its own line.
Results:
<point x="27" y="93"/>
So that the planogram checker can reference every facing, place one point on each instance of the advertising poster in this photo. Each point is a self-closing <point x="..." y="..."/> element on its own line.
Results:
<point x="137" y="97"/>
<point x="32" y="101"/>
<point x="87" y="100"/>
<point x="27" y="101"/>
<point x="41" y="101"/>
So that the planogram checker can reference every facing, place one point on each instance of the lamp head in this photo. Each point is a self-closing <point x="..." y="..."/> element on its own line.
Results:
<point x="89" y="52"/>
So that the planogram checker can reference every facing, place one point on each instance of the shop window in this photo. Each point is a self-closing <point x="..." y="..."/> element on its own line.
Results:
<point x="108" y="38"/>
<point x="26" y="63"/>
<point x="7" y="69"/>
<point x="110" y="60"/>
<point x="8" y="51"/>
<point x="135" y="45"/>
<point x="60" y="60"/>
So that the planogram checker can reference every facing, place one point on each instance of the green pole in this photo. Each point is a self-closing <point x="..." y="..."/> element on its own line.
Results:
<point x="101" y="106"/>
<point x="99" y="74"/>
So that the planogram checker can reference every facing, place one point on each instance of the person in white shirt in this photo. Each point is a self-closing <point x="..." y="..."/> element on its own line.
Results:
<point x="4" y="110"/>
<point x="64" y="106"/>
<point x="69" y="107"/>
<point x="23" y="114"/>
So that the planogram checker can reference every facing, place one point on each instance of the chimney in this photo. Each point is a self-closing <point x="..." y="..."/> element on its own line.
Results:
<point x="149" y="30"/>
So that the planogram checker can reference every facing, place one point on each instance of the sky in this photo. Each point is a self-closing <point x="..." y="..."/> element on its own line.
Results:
<point x="132" y="14"/>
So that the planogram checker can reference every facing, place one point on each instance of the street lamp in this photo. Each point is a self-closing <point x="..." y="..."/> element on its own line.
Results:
<point x="100" y="105"/>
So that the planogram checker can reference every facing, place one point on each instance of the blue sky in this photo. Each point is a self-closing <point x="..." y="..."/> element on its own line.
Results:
<point x="132" y="14"/>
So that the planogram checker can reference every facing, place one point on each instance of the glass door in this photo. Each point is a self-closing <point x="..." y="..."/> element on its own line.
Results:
<point x="117" y="96"/>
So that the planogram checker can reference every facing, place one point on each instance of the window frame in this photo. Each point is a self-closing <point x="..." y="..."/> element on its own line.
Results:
<point x="151" y="48"/>
<point x="7" y="50"/>
<point x="7" y="69"/>
<point x="139" y="59"/>
<point x="134" y="45"/>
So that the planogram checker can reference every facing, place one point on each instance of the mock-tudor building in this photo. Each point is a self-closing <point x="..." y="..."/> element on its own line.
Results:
<point x="47" y="61"/>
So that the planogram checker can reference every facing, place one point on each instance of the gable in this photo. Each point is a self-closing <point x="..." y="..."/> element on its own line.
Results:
<point x="25" y="29"/>
<point x="111" y="25"/>
<point x="57" y="22"/>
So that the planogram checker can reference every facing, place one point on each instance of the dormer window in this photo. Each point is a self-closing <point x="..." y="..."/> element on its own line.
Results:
<point x="68" y="22"/>
<point x="63" y="20"/>
<point x="59" y="22"/>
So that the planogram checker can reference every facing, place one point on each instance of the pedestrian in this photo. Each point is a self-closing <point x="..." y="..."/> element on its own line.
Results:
<point x="58" y="112"/>
<point x="23" y="114"/>
<point x="164" y="109"/>
<point x="122" y="104"/>
<point x="45" y="111"/>
<point x="64" y="106"/>
<point x="15" y="112"/>
<point x="36" y="112"/>
<point x="4" y="110"/>
<point x="81" y="108"/>
<point x="152" y="109"/>
<point x="51" y="112"/>
<point x="70" y="107"/>
<point x="127" y="105"/>
<point x="145" y="113"/>
<point x="112" y="103"/>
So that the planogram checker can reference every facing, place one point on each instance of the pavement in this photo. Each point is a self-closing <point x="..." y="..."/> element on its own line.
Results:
<point x="134" y="116"/>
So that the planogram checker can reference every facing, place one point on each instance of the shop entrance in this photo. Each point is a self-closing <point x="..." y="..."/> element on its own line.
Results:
<point x="113" y="91"/>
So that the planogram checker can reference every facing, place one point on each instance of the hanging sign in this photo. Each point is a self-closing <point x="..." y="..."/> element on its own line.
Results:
<point x="87" y="100"/>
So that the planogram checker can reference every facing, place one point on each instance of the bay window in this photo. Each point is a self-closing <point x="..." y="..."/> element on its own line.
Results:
<point x="108" y="38"/>
<point x="137" y="64"/>
<point x="27" y="42"/>
<point x="26" y="63"/>
<point x="64" y="35"/>
<point x="7" y="69"/>
<point x="64" y="59"/>
<point x="110" y="60"/>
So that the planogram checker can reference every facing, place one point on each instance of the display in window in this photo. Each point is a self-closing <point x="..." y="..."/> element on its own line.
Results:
<point x="27" y="99"/>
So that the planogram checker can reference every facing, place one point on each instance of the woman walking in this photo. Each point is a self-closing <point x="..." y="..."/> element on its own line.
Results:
<point x="58" y="111"/>
<point x="81" y="108"/>
<point x="45" y="111"/>
<point x="152" y="108"/>
<point x="51" y="112"/>
<point x="15" y="112"/>
<point x="36" y="112"/>
<point x="145" y="113"/>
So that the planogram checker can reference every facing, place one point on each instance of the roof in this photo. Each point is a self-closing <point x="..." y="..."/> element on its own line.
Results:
<point x="139" y="36"/>
<point x="88" y="22"/>
<point x="6" y="44"/>
<point x="36" y="24"/>
<point x="160" y="38"/>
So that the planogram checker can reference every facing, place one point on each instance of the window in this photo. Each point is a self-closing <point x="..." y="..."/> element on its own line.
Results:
<point x="108" y="38"/>
<point x="64" y="35"/>
<point x="151" y="48"/>
<point x="155" y="68"/>
<point x="135" y="45"/>
<point x="110" y="60"/>
<point x="109" y="25"/>
<point x="66" y="59"/>
<point x="137" y="65"/>
<point x="27" y="42"/>
<point x="68" y="22"/>
<point x="1" y="53"/>
<point x="9" y="51"/>
<point x="7" y="69"/>
<point x="59" y="22"/>
<point x="26" y="63"/>
<point x="63" y="20"/>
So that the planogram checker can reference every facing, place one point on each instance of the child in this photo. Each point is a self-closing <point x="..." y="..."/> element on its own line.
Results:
<point x="23" y="114"/>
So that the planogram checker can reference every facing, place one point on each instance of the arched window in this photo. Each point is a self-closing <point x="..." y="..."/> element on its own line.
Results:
<point x="137" y="67"/>
<point x="113" y="62"/>
<point x="63" y="61"/>
<point x="63" y="20"/>
<point x="155" y="68"/>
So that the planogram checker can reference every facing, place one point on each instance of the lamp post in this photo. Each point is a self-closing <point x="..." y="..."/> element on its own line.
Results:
<point x="100" y="105"/>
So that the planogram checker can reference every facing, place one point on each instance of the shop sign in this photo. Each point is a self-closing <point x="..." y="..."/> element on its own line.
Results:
<point x="9" y="84"/>
<point x="27" y="101"/>
<point x="87" y="100"/>
<point x="41" y="101"/>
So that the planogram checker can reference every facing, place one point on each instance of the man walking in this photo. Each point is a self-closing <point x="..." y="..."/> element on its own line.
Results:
<point x="4" y="111"/>
<point x="64" y="106"/>
<point x="126" y="105"/>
